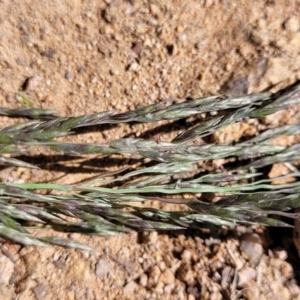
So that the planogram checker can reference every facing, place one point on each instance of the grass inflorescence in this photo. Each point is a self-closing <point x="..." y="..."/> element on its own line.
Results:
<point x="105" y="205"/>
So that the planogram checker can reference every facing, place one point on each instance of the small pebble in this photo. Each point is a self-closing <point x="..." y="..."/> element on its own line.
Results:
<point x="7" y="269"/>
<point x="254" y="292"/>
<point x="251" y="247"/>
<point x="21" y="62"/>
<point x="129" y="288"/>
<point x="81" y="70"/>
<point x="245" y="275"/>
<point x="167" y="277"/>
<point x="144" y="280"/>
<point x="280" y="253"/>
<point x="49" y="53"/>
<point x="186" y="274"/>
<point x="292" y="24"/>
<point x="169" y="288"/>
<point x="89" y="14"/>
<point x="32" y="83"/>
<point x="40" y="292"/>
<point x="216" y="296"/>
<point x="102" y="267"/>
<point x="154" y="9"/>
<point x="154" y="274"/>
<point x="186" y="256"/>
<point x="286" y="270"/>
<point x="212" y="241"/>
<point x="150" y="237"/>
<point x="114" y="71"/>
<point x="69" y="76"/>
<point x="236" y="88"/>
<point x="59" y="260"/>
<point x="10" y="98"/>
<point x="227" y="274"/>
<point x="134" y="66"/>
<point x="162" y="266"/>
<point x="137" y="48"/>
<point x="159" y="289"/>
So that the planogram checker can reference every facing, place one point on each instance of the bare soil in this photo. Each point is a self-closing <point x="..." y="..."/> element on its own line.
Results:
<point x="80" y="57"/>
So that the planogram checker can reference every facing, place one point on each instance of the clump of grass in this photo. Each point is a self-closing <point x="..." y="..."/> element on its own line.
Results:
<point x="104" y="205"/>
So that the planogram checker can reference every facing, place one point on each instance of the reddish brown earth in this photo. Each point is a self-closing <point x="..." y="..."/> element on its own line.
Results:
<point x="81" y="57"/>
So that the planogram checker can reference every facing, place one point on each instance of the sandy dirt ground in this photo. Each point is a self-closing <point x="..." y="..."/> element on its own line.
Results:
<point x="80" y="57"/>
